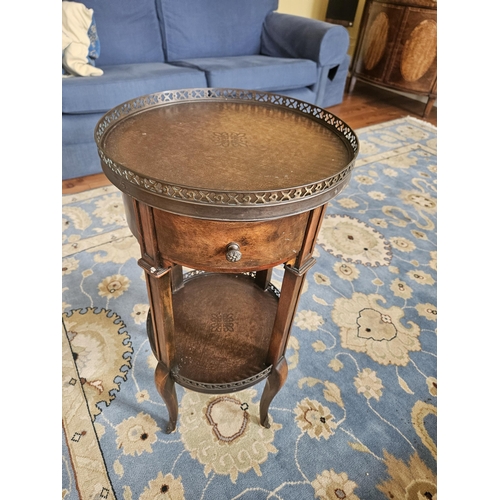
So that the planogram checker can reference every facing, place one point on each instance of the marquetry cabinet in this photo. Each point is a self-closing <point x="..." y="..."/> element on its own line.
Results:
<point x="397" y="47"/>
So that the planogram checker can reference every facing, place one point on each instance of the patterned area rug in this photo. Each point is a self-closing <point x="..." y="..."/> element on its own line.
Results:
<point x="357" y="416"/>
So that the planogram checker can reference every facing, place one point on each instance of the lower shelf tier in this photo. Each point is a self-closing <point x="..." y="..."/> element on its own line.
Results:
<point x="223" y="325"/>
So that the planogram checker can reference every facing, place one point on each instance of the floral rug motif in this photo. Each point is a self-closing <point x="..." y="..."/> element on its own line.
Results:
<point x="357" y="416"/>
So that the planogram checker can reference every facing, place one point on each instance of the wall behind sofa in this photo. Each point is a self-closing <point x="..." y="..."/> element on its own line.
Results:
<point x="316" y="9"/>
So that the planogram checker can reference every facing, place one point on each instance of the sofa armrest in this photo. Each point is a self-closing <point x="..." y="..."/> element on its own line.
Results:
<point x="286" y="35"/>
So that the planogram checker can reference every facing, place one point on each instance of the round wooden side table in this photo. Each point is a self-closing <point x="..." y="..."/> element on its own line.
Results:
<point x="229" y="183"/>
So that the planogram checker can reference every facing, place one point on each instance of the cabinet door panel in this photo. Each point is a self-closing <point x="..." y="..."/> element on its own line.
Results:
<point x="414" y="64"/>
<point x="378" y="41"/>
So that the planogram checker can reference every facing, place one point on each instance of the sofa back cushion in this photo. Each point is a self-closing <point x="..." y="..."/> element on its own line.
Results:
<point x="128" y="30"/>
<point x="213" y="28"/>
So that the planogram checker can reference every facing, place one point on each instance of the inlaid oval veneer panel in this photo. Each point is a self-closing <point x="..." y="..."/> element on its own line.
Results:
<point x="419" y="51"/>
<point x="376" y="41"/>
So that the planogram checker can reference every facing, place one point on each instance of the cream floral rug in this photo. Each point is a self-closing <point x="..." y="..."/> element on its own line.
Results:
<point x="357" y="416"/>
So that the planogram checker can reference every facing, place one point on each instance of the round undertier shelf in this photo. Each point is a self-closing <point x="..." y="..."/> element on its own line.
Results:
<point x="223" y="325"/>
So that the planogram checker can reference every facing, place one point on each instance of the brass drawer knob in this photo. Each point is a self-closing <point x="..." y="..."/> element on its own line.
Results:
<point x="233" y="253"/>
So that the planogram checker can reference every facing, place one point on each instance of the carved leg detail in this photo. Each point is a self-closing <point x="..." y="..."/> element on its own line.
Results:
<point x="166" y="387"/>
<point x="274" y="383"/>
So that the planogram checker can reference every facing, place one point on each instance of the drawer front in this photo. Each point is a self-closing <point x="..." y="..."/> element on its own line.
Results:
<point x="209" y="245"/>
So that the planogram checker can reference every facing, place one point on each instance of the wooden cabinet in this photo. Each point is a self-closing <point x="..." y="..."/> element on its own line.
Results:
<point x="397" y="47"/>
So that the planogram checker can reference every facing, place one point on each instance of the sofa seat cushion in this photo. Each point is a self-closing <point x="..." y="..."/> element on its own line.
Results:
<point x="79" y="160"/>
<point x="79" y="128"/>
<point x="255" y="72"/>
<point x="302" y="94"/>
<point x="221" y="28"/>
<point x="123" y="82"/>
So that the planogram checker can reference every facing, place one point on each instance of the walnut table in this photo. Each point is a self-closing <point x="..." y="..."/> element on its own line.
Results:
<point x="229" y="183"/>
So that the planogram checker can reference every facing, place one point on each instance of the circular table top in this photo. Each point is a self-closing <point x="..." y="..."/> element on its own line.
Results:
<point x="226" y="154"/>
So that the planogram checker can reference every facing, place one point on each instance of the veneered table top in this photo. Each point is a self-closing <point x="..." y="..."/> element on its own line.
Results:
<point x="221" y="157"/>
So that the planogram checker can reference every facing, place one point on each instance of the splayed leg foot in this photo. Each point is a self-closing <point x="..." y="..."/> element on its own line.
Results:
<point x="166" y="387"/>
<point x="274" y="383"/>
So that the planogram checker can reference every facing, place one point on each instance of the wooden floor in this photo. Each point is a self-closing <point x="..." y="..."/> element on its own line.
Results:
<point x="367" y="105"/>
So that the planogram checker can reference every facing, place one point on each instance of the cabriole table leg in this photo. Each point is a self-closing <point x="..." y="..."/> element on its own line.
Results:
<point x="166" y="387"/>
<point x="161" y="279"/>
<point x="274" y="383"/>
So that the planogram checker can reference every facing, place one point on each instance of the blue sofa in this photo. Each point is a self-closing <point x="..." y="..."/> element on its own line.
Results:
<point x="150" y="46"/>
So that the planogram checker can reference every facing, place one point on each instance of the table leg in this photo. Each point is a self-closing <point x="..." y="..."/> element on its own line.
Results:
<point x="160" y="293"/>
<point x="293" y="280"/>
<point x="274" y="383"/>
<point x="177" y="277"/>
<point x="428" y="106"/>
<point x="161" y="279"/>
<point x="263" y="278"/>
<point x="290" y="292"/>
<point x="166" y="387"/>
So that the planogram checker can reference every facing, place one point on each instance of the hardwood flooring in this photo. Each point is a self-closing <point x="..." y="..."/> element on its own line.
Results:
<point x="370" y="105"/>
<point x="366" y="105"/>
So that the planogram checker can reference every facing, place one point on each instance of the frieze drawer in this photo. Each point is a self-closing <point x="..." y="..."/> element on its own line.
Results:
<point x="219" y="246"/>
